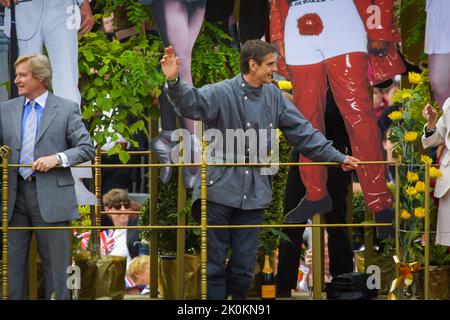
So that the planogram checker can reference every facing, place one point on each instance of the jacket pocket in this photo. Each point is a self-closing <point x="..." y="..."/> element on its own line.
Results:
<point x="65" y="180"/>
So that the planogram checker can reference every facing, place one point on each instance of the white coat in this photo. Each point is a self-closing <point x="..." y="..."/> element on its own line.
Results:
<point x="442" y="136"/>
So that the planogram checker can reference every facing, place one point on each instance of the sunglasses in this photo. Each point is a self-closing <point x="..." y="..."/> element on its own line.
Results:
<point x="118" y="205"/>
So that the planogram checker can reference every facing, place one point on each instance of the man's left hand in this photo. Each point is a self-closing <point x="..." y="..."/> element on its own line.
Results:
<point x="44" y="164"/>
<point x="349" y="163"/>
<point x="87" y="19"/>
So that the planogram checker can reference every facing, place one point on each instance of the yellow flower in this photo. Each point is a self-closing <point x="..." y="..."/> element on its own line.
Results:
<point x="395" y="116"/>
<point x="410" y="136"/>
<point x="419" y="212"/>
<point x="401" y="95"/>
<point x="412" y="176"/>
<point x="405" y="215"/>
<point x="284" y="85"/>
<point x="406" y="95"/>
<point x="426" y="159"/>
<point x="411" y="191"/>
<point x="420" y="186"/>
<point x="414" y="78"/>
<point x="435" y="173"/>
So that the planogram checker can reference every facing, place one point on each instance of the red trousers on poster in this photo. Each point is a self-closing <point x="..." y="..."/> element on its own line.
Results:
<point x="347" y="78"/>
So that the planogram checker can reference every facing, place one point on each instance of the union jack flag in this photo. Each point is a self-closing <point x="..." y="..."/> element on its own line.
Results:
<point x="129" y="283"/>
<point x="107" y="241"/>
<point x="85" y="237"/>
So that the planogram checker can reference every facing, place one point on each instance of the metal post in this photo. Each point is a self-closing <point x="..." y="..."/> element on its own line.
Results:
<point x="5" y="151"/>
<point x="153" y="199"/>
<point x="203" y="222"/>
<point x="181" y="235"/>
<point x="397" y="214"/>
<point x="427" y="231"/>
<point x="317" y="245"/>
<point x="97" y="208"/>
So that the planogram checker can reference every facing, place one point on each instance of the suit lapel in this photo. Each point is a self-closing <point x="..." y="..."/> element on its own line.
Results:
<point x="17" y="113"/>
<point x="49" y="114"/>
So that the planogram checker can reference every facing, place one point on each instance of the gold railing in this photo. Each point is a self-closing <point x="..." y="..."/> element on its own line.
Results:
<point x="316" y="226"/>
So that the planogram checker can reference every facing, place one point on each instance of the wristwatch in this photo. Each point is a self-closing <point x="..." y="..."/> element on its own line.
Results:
<point x="58" y="157"/>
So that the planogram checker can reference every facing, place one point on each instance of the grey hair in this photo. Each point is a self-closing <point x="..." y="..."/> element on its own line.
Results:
<point x="40" y="67"/>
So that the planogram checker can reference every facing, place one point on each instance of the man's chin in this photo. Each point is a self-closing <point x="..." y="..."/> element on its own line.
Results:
<point x="268" y="80"/>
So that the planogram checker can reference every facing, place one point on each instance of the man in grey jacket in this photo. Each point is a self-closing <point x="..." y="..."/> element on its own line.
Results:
<point x="239" y="195"/>
<point x="44" y="131"/>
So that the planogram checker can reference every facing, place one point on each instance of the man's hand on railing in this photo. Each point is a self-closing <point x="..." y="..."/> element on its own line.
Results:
<point x="349" y="163"/>
<point x="44" y="164"/>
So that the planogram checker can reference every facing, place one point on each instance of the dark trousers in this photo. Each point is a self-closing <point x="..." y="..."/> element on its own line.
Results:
<point x="234" y="277"/>
<point x="53" y="246"/>
<point x="339" y="247"/>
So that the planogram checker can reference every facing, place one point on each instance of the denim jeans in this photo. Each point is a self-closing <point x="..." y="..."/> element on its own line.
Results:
<point x="235" y="276"/>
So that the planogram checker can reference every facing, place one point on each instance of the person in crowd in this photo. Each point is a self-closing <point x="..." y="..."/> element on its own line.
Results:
<point x="389" y="92"/>
<point x="378" y="101"/>
<point x="247" y="102"/>
<point x="44" y="131"/>
<point x="119" y="242"/>
<point x="437" y="133"/>
<point x="138" y="273"/>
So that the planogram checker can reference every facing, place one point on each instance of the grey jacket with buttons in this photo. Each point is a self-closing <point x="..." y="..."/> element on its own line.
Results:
<point x="234" y="104"/>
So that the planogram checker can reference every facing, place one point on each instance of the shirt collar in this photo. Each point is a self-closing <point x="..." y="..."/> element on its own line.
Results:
<point x="246" y="88"/>
<point x="40" y="100"/>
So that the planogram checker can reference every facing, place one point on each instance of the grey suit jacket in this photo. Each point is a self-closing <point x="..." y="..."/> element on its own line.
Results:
<point x="61" y="130"/>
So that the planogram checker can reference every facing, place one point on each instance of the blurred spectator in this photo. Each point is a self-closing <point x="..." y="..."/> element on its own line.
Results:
<point x="384" y="123"/>
<point x="138" y="275"/>
<point x="378" y="101"/>
<point x="389" y="93"/>
<point x="119" y="242"/>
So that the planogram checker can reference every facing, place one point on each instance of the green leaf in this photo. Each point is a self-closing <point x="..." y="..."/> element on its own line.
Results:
<point x="103" y="70"/>
<point x="91" y="94"/>
<point x="124" y="156"/>
<point x="280" y="234"/>
<point x="88" y="55"/>
<point x="98" y="82"/>
<point x="139" y="125"/>
<point x="116" y="149"/>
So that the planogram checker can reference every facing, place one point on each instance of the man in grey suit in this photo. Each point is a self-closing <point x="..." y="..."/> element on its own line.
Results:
<point x="45" y="131"/>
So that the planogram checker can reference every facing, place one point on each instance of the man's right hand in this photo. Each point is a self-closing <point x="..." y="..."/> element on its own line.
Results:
<point x="7" y="3"/>
<point x="349" y="163"/>
<point x="170" y="64"/>
<point x="431" y="115"/>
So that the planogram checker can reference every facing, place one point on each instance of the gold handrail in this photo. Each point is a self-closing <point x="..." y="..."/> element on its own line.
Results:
<point x="203" y="227"/>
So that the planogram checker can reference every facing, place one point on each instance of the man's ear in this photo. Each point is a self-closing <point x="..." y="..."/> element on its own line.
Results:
<point x="252" y="65"/>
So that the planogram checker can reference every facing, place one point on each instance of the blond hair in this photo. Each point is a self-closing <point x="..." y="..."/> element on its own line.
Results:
<point x="137" y="266"/>
<point x="40" y="67"/>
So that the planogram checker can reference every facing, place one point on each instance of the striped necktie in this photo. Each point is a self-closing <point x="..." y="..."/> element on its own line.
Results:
<point x="28" y="138"/>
